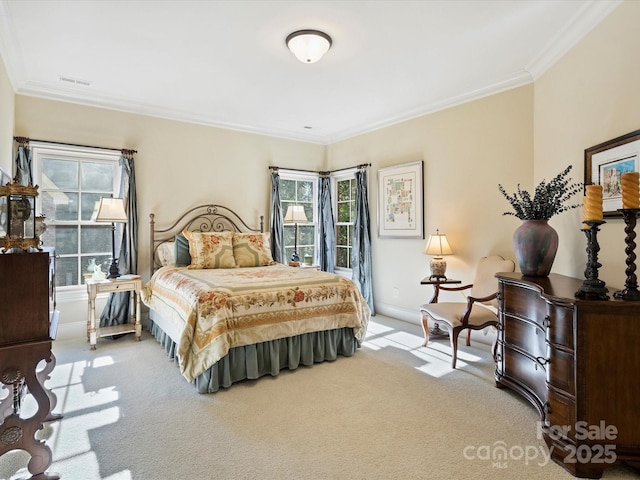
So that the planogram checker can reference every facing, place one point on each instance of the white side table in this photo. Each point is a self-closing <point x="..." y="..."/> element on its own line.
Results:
<point x="125" y="283"/>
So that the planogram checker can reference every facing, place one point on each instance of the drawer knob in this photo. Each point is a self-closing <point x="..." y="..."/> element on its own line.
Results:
<point x="547" y="321"/>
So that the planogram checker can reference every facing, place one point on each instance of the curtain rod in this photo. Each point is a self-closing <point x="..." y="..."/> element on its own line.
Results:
<point x="325" y="172"/>
<point x="27" y="140"/>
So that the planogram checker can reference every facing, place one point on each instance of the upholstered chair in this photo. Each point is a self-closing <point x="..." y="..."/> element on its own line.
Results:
<point x="477" y="313"/>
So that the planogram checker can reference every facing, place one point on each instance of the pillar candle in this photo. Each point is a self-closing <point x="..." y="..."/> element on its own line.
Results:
<point x="631" y="190"/>
<point x="592" y="206"/>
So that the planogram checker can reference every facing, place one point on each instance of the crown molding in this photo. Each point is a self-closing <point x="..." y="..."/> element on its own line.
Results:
<point x="518" y="79"/>
<point x="591" y="14"/>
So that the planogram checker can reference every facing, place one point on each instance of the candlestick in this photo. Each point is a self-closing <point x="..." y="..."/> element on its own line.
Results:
<point x="630" y="291"/>
<point x="592" y="288"/>
<point x="630" y="190"/>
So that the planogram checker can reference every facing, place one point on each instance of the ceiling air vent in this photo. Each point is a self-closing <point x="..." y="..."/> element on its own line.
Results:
<point x="74" y="81"/>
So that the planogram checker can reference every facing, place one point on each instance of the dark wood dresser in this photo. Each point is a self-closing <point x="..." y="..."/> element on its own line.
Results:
<point x="28" y="322"/>
<point x="578" y="362"/>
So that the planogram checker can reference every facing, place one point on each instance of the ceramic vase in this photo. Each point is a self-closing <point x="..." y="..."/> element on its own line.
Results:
<point x="535" y="243"/>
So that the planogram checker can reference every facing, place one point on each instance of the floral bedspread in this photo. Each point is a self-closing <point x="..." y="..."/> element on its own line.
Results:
<point x="231" y="307"/>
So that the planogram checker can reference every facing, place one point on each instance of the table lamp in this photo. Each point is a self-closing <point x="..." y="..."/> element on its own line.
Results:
<point x="438" y="246"/>
<point x="295" y="214"/>
<point x="112" y="210"/>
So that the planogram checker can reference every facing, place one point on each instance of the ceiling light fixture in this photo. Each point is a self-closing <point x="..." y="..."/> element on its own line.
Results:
<point x="308" y="45"/>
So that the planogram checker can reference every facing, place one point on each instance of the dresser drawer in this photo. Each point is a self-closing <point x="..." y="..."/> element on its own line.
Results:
<point x="560" y="414"/>
<point x="523" y="302"/>
<point x="560" y="370"/>
<point x="524" y="335"/>
<point x="526" y="371"/>
<point x="560" y="325"/>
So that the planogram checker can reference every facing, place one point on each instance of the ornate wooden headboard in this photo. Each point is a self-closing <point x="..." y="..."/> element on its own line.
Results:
<point x="203" y="218"/>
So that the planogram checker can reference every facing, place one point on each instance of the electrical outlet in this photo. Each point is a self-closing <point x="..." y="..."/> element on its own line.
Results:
<point x="395" y="292"/>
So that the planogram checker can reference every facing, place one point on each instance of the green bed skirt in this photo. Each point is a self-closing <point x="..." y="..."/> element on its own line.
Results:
<point x="254" y="361"/>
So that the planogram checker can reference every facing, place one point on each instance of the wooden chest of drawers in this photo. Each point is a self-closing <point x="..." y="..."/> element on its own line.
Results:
<point x="577" y="362"/>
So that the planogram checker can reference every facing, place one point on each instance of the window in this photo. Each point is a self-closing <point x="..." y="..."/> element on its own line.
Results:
<point x="72" y="180"/>
<point x="345" y="195"/>
<point x="299" y="189"/>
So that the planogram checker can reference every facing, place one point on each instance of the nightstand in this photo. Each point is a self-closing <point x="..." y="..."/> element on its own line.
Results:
<point x="125" y="283"/>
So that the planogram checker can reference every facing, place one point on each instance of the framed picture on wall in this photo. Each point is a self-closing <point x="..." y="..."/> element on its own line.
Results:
<point x="400" y="201"/>
<point x="4" y="177"/>
<point x="604" y="165"/>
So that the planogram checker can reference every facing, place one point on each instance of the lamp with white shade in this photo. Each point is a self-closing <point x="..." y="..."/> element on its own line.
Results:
<point x="112" y="210"/>
<point x="438" y="246"/>
<point x="295" y="214"/>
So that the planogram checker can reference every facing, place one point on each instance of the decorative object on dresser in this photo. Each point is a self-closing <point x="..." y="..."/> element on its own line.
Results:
<point x="592" y="287"/>
<point x="438" y="245"/>
<point x="28" y="323"/>
<point x="474" y="314"/>
<point x="535" y="242"/>
<point x="251" y="317"/>
<point x="630" y="210"/>
<point x="111" y="210"/>
<point x="295" y="214"/>
<point x="19" y="225"/>
<point x="630" y="291"/>
<point x="575" y="361"/>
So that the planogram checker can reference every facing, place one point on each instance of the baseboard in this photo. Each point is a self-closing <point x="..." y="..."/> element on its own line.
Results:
<point x="399" y="313"/>
<point x="71" y="330"/>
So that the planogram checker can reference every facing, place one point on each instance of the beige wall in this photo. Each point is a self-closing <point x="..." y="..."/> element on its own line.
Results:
<point x="178" y="165"/>
<point x="588" y="97"/>
<point x="7" y="109"/>
<point x="467" y="150"/>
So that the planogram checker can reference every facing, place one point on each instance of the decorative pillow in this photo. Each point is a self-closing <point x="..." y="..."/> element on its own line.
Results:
<point x="165" y="254"/>
<point x="182" y="256"/>
<point x="210" y="250"/>
<point x="252" y="249"/>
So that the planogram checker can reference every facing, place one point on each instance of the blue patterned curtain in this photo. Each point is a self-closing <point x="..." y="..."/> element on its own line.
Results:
<point x="117" y="310"/>
<point x="24" y="171"/>
<point x="277" y="224"/>
<point x="327" y="253"/>
<point x="361" y="250"/>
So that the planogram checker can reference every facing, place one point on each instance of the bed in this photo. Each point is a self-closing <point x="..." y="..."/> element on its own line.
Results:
<point x="226" y="312"/>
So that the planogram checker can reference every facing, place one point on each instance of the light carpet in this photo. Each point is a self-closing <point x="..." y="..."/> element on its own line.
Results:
<point x="395" y="410"/>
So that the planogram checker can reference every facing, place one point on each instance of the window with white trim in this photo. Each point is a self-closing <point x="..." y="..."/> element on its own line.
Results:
<point x="72" y="180"/>
<point x="300" y="189"/>
<point x="345" y="210"/>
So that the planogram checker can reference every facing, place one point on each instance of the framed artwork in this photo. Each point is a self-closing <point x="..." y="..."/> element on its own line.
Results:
<point x="4" y="177"/>
<point x="604" y="165"/>
<point x="400" y="204"/>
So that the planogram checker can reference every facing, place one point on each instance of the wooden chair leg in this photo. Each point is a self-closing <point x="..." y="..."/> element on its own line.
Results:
<point x="453" y="335"/>
<point x="425" y="327"/>
<point x="468" y="337"/>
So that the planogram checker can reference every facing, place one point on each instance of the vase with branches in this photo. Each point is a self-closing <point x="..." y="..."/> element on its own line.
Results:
<point x="535" y="241"/>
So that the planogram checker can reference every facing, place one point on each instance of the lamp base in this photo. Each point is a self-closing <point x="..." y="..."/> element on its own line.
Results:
<point x="113" y="270"/>
<point x="438" y="268"/>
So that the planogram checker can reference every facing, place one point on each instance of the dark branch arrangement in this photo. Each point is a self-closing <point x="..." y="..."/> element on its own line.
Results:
<point x="549" y="199"/>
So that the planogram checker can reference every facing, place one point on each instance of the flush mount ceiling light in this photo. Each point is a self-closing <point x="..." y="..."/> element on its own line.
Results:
<point x="308" y="45"/>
